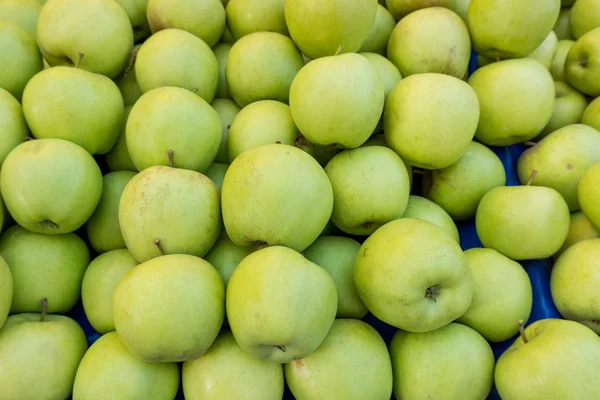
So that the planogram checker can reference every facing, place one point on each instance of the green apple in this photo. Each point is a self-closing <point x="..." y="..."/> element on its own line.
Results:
<point x="459" y="188"/>
<point x="203" y="18"/>
<point x="262" y="66"/>
<point x="401" y="8"/>
<point x="582" y="69"/>
<point x="249" y="16"/>
<point x="411" y="129"/>
<point x="430" y="40"/>
<point x="545" y="52"/>
<point x="276" y="194"/>
<point x="510" y="28"/>
<point x="352" y="363"/>
<point x="174" y="57"/>
<point x="421" y="208"/>
<point x="221" y="51"/>
<point x="93" y="35"/>
<point x="567" y="3"/>
<point x="99" y="283"/>
<point x="118" y="158"/>
<point x="370" y="188"/>
<point x="127" y="81"/>
<point x="5" y="218"/>
<point x="227" y="110"/>
<point x="562" y="27"/>
<point x="261" y="122"/>
<point x="580" y="229"/>
<point x="585" y="16"/>
<point x="502" y="295"/>
<point x="103" y="230"/>
<point x="387" y="71"/>
<point x="588" y="194"/>
<point x="171" y="126"/>
<point x="149" y="225"/>
<point x="337" y="100"/>
<point x="557" y="68"/>
<point x="216" y="172"/>
<point x="413" y="275"/>
<point x="535" y="368"/>
<point x="561" y="159"/>
<point x="336" y="255"/>
<point x="12" y="124"/>
<point x="225" y="371"/>
<point x="23" y="13"/>
<point x="517" y="110"/>
<point x="39" y="356"/>
<point x="523" y="222"/>
<point x="226" y="255"/>
<point x="591" y="115"/>
<point x="50" y="186"/>
<point x="323" y="154"/>
<point x="425" y="364"/>
<point x="569" y="106"/>
<point x="108" y="370"/>
<point x="170" y="308"/>
<point x="76" y="105"/>
<point x="462" y="9"/>
<point x="280" y="306"/>
<point x="136" y="11"/>
<point x="6" y="291"/>
<point x="227" y="37"/>
<point x="321" y="27"/>
<point x="20" y="58"/>
<point x="379" y="35"/>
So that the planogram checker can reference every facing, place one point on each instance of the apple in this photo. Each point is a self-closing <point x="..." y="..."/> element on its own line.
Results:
<point x="12" y="124"/>
<point x="136" y="11"/>
<point x="510" y="28"/>
<point x="174" y="57"/>
<point x="108" y="370"/>
<point x="557" y="68"/>
<point x="50" y="186"/>
<point x="352" y="363"/>
<point x="227" y="110"/>
<point x="387" y="71"/>
<point x="216" y="172"/>
<point x="580" y="229"/>
<point x="401" y="8"/>
<point x="23" y="13"/>
<point x="103" y="230"/>
<point x="262" y="66"/>
<point x="425" y="364"/>
<point x="149" y="225"/>
<point x="6" y="291"/>
<point x="39" y="356"/>
<point x="93" y="35"/>
<point x="523" y="222"/>
<point x="412" y="132"/>
<point x="562" y="27"/>
<point x="127" y="81"/>
<point x="249" y="16"/>
<point x="5" y="218"/>
<point x="226" y="255"/>
<point x="545" y="52"/>
<point x="20" y="58"/>
<point x="569" y="106"/>
<point x="280" y="306"/>
<point x="276" y="194"/>
<point x="337" y="100"/>
<point x="585" y="16"/>
<point x="227" y="37"/>
<point x="421" y="208"/>
<point x="203" y="18"/>
<point x="323" y="154"/>
<point x="588" y="194"/>
<point x="591" y="115"/>
<point x="405" y="268"/>
<point x="581" y="68"/>
<point x="432" y="39"/>
<point x="561" y="159"/>
<point x="379" y="35"/>
<point x="321" y="27"/>
<point x="221" y="51"/>
<point x="171" y="126"/>
<point x="370" y="188"/>
<point x="534" y="366"/>
<point x="517" y="110"/>
<point x="336" y="255"/>
<point x="118" y="158"/>
<point x="170" y="308"/>
<point x="462" y="9"/>
<point x="379" y="140"/>
<point x="225" y="371"/>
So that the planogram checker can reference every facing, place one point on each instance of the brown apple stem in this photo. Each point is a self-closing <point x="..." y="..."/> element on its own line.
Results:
<point x="29" y="138"/>
<point x="44" y="304"/>
<point x="530" y="143"/>
<point x="131" y="62"/>
<point x="333" y="147"/>
<point x="159" y="245"/>
<point x="196" y="90"/>
<point x="522" y="332"/>
<point x="339" y="50"/>
<point x="79" y="57"/>
<point x="497" y="59"/>
<point x="170" y="155"/>
<point x="532" y="177"/>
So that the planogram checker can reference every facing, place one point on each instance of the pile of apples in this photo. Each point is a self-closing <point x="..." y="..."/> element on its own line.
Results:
<point x="230" y="188"/>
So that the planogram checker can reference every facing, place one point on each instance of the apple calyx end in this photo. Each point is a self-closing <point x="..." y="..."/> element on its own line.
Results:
<point x="159" y="245"/>
<point x="261" y="245"/>
<point x="522" y="331"/>
<point x="44" y="306"/>
<point x="51" y="224"/>
<point x="432" y="292"/>
<point x="280" y="348"/>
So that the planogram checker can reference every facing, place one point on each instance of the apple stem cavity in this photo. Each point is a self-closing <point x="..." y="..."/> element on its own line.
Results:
<point x="532" y="177"/>
<point x="159" y="245"/>
<point x="44" y="305"/>
<point x="170" y="155"/>
<point x="339" y="50"/>
<point x="522" y="332"/>
<point x="79" y="57"/>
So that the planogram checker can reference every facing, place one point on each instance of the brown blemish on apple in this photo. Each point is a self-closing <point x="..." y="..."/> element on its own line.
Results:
<point x="569" y="166"/>
<point x="299" y="364"/>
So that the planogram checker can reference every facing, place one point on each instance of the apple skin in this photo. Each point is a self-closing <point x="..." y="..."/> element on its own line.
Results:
<point x="221" y="51"/>
<point x="136" y="11"/>
<point x="585" y="16"/>
<point x="227" y="110"/>
<point x="145" y="213"/>
<point x="421" y="208"/>
<point x="93" y="35"/>
<point x="216" y="173"/>
<point x="562" y="28"/>
<point x="174" y="57"/>
<point x="336" y="255"/>
<point x="405" y="266"/>
<point x="588" y="194"/>
<point x="430" y="40"/>
<point x="50" y="186"/>
<point x="580" y="229"/>
<point x="12" y="124"/>
<point x="169" y="309"/>
<point x="518" y="110"/>
<point x="293" y="215"/>
<point x="6" y="291"/>
<point x="262" y="66"/>
<point x="505" y="28"/>
<point x="249" y="16"/>
<point x="225" y="256"/>
<point x="401" y="8"/>
<point x="23" y="13"/>
<point x="561" y="159"/>
<point x="270" y="312"/>
<point x="225" y="371"/>
<point x="417" y="357"/>
<point x="581" y="67"/>
<point x="99" y="282"/>
<point x="523" y="222"/>
<point x="352" y="363"/>
<point x="423" y="141"/>
<point x="227" y="37"/>
<point x="552" y="345"/>
<point x="127" y="81"/>
<point x="545" y="52"/>
<point x="591" y="115"/>
<point x="21" y="58"/>
<point x="379" y="35"/>
<point x="569" y="107"/>
<point x="31" y="351"/>
<point x="108" y="370"/>
<point x="345" y="25"/>
<point x="118" y="158"/>
<point x="557" y="68"/>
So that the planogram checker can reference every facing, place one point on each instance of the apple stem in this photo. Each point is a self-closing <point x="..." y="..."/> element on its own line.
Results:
<point x="339" y="50"/>
<point x="196" y="91"/>
<point x="131" y="63"/>
<point x="44" y="304"/>
<point x="532" y="177"/>
<point x="170" y="155"/>
<point x="159" y="245"/>
<point x="29" y="138"/>
<point x="530" y="143"/>
<point x="522" y="332"/>
<point x="79" y="57"/>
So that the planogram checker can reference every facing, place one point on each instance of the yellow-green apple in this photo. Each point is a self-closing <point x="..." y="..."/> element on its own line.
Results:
<point x="462" y="9"/>
<point x="136" y="11"/>
<point x="379" y="35"/>
<point x="557" y="68"/>
<point x="227" y="110"/>
<point x="249" y="16"/>
<point x="569" y="106"/>
<point x="413" y="275"/>
<point x="591" y="115"/>
<point x="227" y="37"/>
<point x="585" y="16"/>
<point x="12" y="124"/>
<point x="421" y="208"/>
<point x="545" y="52"/>
<point x="23" y="13"/>
<point x="127" y="81"/>
<point x="588" y="194"/>
<point x="6" y="291"/>
<point x="580" y="229"/>
<point x="221" y="51"/>
<point x="562" y="27"/>
<point x="226" y="255"/>
<point x="401" y="8"/>
<point x="216" y="172"/>
<point x="118" y="158"/>
<point x="582" y="68"/>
